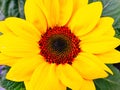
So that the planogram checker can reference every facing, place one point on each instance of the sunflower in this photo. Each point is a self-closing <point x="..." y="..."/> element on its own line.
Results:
<point x="62" y="43"/>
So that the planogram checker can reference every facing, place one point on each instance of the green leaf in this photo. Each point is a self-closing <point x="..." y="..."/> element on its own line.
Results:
<point x="10" y="85"/>
<point x="110" y="83"/>
<point x="12" y="8"/>
<point x="117" y="33"/>
<point x="1" y="16"/>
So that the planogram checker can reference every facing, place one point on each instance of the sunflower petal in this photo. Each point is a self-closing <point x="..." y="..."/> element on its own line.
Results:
<point x="4" y="29"/>
<point x="103" y="28"/>
<point x="88" y="85"/>
<point x="66" y="7"/>
<point x="35" y="16"/>
<point x="23" y="69"/>
<point x="6" y="60"/>
<point x="85" y="19"/>
<point x="97" y="61"/>
<point x="99" y="45"/>
<point x="45" y="78"/>
<point x="51" y="10"/>
<point x="26" y="83"/>
<point x="78" y="4"/>
<point x="22" y="28"/>
<point x="14" y="46"/>
<point x="82" y="2"/>
<point x="69" y="76"/>
<point x="87" y="68"/>
<point x="112" y="56"/>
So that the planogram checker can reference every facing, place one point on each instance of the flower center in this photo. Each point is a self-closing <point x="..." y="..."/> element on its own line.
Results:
<point x="59" y="45"/>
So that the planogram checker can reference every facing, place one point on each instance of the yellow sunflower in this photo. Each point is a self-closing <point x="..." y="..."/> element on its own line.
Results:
<point x="62" y="43"/>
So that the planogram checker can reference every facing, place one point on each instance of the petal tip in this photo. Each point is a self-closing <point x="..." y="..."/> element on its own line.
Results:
<point x="109" y="71"/>
<point x="98" y="4"/>
<point x="9" y="76"/>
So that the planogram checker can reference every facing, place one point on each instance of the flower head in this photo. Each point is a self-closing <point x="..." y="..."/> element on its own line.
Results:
<point x="62" y="43"/>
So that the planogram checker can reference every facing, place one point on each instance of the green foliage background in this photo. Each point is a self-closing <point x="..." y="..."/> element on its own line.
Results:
<point x="12" y="8"/>
<point x="111" y="8"/>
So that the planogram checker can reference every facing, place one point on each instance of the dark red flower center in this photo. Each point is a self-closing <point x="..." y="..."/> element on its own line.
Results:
<point x="59" y="45"/>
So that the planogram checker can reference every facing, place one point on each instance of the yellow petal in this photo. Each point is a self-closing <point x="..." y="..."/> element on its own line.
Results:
<point x="88" y="85"/>
<point x="66" y="7"/>
<point x="23" y="28"/>
<point x="4" y="29"/>
<point x="87" y="68"/>
<point x="82" y="2"/>
<point x="14" y="46"/>
<point x="51" y="10"/>
<point x="69" y="76"/>
<point x="103" y="28"/>
<point x="111" y="32"/>
<point x="45" y="78"/>
<point x="85" y="19"/>
<point x="23" y="69"/>
<point x="26" y="83"/>
<point x="112" y="56"/>
<point x="99" y="45"/>
<point x="6" y="60"/>
<point x="78" y="4"/>
<point x="36" y="16"/>
<point x="96" y="60"/>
